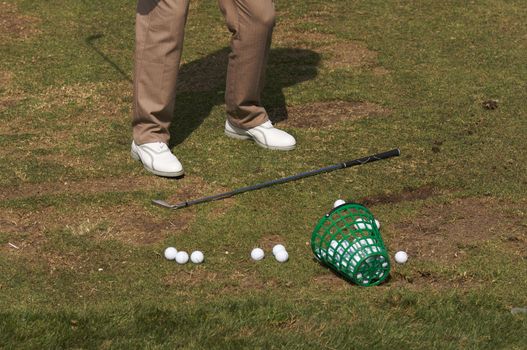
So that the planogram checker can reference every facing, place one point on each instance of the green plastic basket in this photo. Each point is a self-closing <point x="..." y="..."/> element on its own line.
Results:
<point x="348" y="241"/>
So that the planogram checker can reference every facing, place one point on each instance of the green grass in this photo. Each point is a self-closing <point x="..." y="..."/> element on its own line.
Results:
<point x="89" y="271"/>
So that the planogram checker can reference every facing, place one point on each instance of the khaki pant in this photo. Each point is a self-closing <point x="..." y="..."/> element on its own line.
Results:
<point x="160" y="28"/>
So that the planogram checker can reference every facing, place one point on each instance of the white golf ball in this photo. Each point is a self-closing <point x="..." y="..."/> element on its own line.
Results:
<point x="281" y="256"/>
<point x="170" y="253"/>
<point x="182" y="257"/>
<point x="361" y="224"/>
<point x="338" y="202"/>
<point x="197" y="257"/>
<point x="257" y="254"/>
<point x="401" y="257"/>
<point x="278" y="248"/>
<point x="378" y="224"/>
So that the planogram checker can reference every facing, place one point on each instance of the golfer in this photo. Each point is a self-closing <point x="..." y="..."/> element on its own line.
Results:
<point x="160" y="28"/>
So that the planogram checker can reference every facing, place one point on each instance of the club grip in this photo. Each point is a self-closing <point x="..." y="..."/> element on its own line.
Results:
<point x="379" y="156"/>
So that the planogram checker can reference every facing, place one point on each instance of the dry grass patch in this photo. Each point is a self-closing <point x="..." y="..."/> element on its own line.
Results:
<point x="8" y="97"/>
<point x="269" y="241"/>
<point x="380" y="71"/>
<point x="14" y="25"/>
<point x="288" y="37"/>
<point x="419" y="280"/>
<point x="337" y="53"/>
<point x="350" y="54"/>
<point x="95" y="104"/>
<point x="324" y="114"/>
<point x="198" y="275"/>
<point x="129" y="223"/>
<point x="239" y="281"/>
<point x="331" y="281"/>
<point x="103" y="98"/>
<point x="236" y="282"/>
<point x="446" y="233"/>
<point x="6" y="77"/>
<point x="409" y="194"/>
<point x="84" y="187"/>
<point x="7" y="102"/>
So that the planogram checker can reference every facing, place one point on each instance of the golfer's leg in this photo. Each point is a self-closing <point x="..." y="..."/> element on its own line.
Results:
<point x="159" y="41"/>
<point x="251" y="23"/>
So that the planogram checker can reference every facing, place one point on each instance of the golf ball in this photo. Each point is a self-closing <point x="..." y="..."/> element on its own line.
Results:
<point x="361" y="224"/>
<point x="257" y="254"/>
<point x="281" y="256"/>
<point x="197" y="257"/>
<point x="401" y="257"/>
<point x="278" y="248"/>
<point x="378" y="224"/>
<point x="170" y="253"/>
<point x="338" y="202"/>
<point x="182" y="257"/>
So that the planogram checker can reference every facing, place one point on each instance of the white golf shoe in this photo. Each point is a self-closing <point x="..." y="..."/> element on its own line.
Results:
<point x="157" y="159"/>
<point x="265" y="135"/>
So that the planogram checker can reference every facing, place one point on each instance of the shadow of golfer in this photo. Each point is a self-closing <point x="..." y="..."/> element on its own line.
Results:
<point x="201" y="86"/>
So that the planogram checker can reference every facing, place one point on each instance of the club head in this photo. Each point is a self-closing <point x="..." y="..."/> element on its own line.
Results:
<point x="164" y="204"/>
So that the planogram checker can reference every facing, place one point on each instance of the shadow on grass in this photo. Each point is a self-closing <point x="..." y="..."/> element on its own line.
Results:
<point x="201" y="86"/>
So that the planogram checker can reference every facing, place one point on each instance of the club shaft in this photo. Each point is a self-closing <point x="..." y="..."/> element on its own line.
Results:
<point x="360" y="161"/>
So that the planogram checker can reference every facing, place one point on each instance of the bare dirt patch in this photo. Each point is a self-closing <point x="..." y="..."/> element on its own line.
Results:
<point x="129" y="223"/>
<point x="337" y="53"/>
<point x="7" y="102"/>
<point x="14" y="25"/>
<point x="303" y="40"/>
<point x="427" y="279"/>
<point x="325" y="114"/>
<point x="93" y="186"/>
<point x="350" y="55"/>
<point x="448" y="232"/>
<point x="409" y="194"/>
<point x="269" y="241"/>
<point x="55" y="188"/>
<point x="8" y="98"/>
<point x="380" y="71"/>
<point x="5" y="77"/>
<point x="331" y="281"/>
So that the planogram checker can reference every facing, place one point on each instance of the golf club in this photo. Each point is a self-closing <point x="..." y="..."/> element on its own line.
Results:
<point x="360" y="161"/>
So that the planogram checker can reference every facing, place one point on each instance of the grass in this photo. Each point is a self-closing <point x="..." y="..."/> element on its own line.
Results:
<point x="88" y="271"/>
